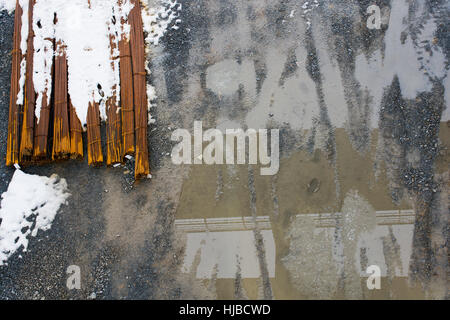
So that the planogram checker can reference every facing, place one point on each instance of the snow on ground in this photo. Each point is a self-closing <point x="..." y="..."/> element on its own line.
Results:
<point x="8" y="5"/>
<point x="401" y="59"/>
<point x="30" y="204"/>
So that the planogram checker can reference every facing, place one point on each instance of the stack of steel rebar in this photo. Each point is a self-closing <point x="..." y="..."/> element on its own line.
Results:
<point x="57" y="132"/>
<point x="12" y="152"/>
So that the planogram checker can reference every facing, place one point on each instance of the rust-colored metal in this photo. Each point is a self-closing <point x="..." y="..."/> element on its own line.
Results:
<point x="140" y="93"/>
<point x="113" y="132"/>
<point x="126" y="126"/>
<point x="76" y="134"/>
<point x="41" y="145"/>
<point x="27" y="137"/>
<point x="95" y="156"/>
<point x="41" y="132"/>
<point x="12" y="151"/>
<point x="126" y="95"/>
<point x="42" y="124"/>
<point x="61" y="131"/>
<point x="113" y="122"/>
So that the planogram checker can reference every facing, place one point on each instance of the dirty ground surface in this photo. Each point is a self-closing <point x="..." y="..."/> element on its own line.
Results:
<point x="363" y="180"/>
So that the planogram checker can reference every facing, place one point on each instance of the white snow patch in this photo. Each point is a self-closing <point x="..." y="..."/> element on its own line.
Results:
<point x="8" y="5"/>
<point x="30" y="204"/>
<point x="21" y="93"/>
<point x="43" y="53"/>
<point x="85" y="30"/>
<point x="156" y="20"/>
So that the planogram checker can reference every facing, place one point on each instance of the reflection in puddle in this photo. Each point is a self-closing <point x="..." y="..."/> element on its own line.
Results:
<point x="394" y="228"/>
<point x="226" y="252"/>
<point x="224" y="248"/>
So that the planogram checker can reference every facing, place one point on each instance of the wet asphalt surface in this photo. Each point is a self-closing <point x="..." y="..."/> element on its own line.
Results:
<point x="75" y="231"/>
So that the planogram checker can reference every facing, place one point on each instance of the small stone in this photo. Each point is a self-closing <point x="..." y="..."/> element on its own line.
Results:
<point x="314" y="185"/>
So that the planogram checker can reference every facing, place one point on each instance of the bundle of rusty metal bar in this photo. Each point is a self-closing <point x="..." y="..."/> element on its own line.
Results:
<point x="126" y="124"/>
<point x="12" y="153"/>
<point x="139" y="87"/>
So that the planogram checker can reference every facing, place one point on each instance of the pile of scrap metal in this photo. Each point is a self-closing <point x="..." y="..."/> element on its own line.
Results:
<point x="52" y="130"/>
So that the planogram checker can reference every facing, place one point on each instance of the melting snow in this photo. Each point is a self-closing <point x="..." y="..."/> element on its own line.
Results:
<point x="30" y="204"/>
<point x="156" y="20"/>
<point x="85" y="29"/>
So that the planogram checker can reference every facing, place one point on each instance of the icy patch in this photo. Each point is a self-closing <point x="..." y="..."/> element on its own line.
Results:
<point x="151" y="97"/>
<point x="30" y="204"/>
<point x="43" y="54"/>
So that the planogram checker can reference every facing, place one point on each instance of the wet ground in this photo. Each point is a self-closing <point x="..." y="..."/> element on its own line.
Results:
<point x="364" y="135"/>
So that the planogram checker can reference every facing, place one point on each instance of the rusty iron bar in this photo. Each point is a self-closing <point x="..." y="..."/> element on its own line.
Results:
<point x="126" y="125"/>
<point x="27" y="137"/>
<point x="140" y="93"/>
<point x="76" y="134"/>
<point x="113" y="122"/>
<point x="126" y="93"/>
<point x="61" y="130"/>
<point x="12" y="151"/>
<point x="94" y="147"/>
<point x="41" y="131"/>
